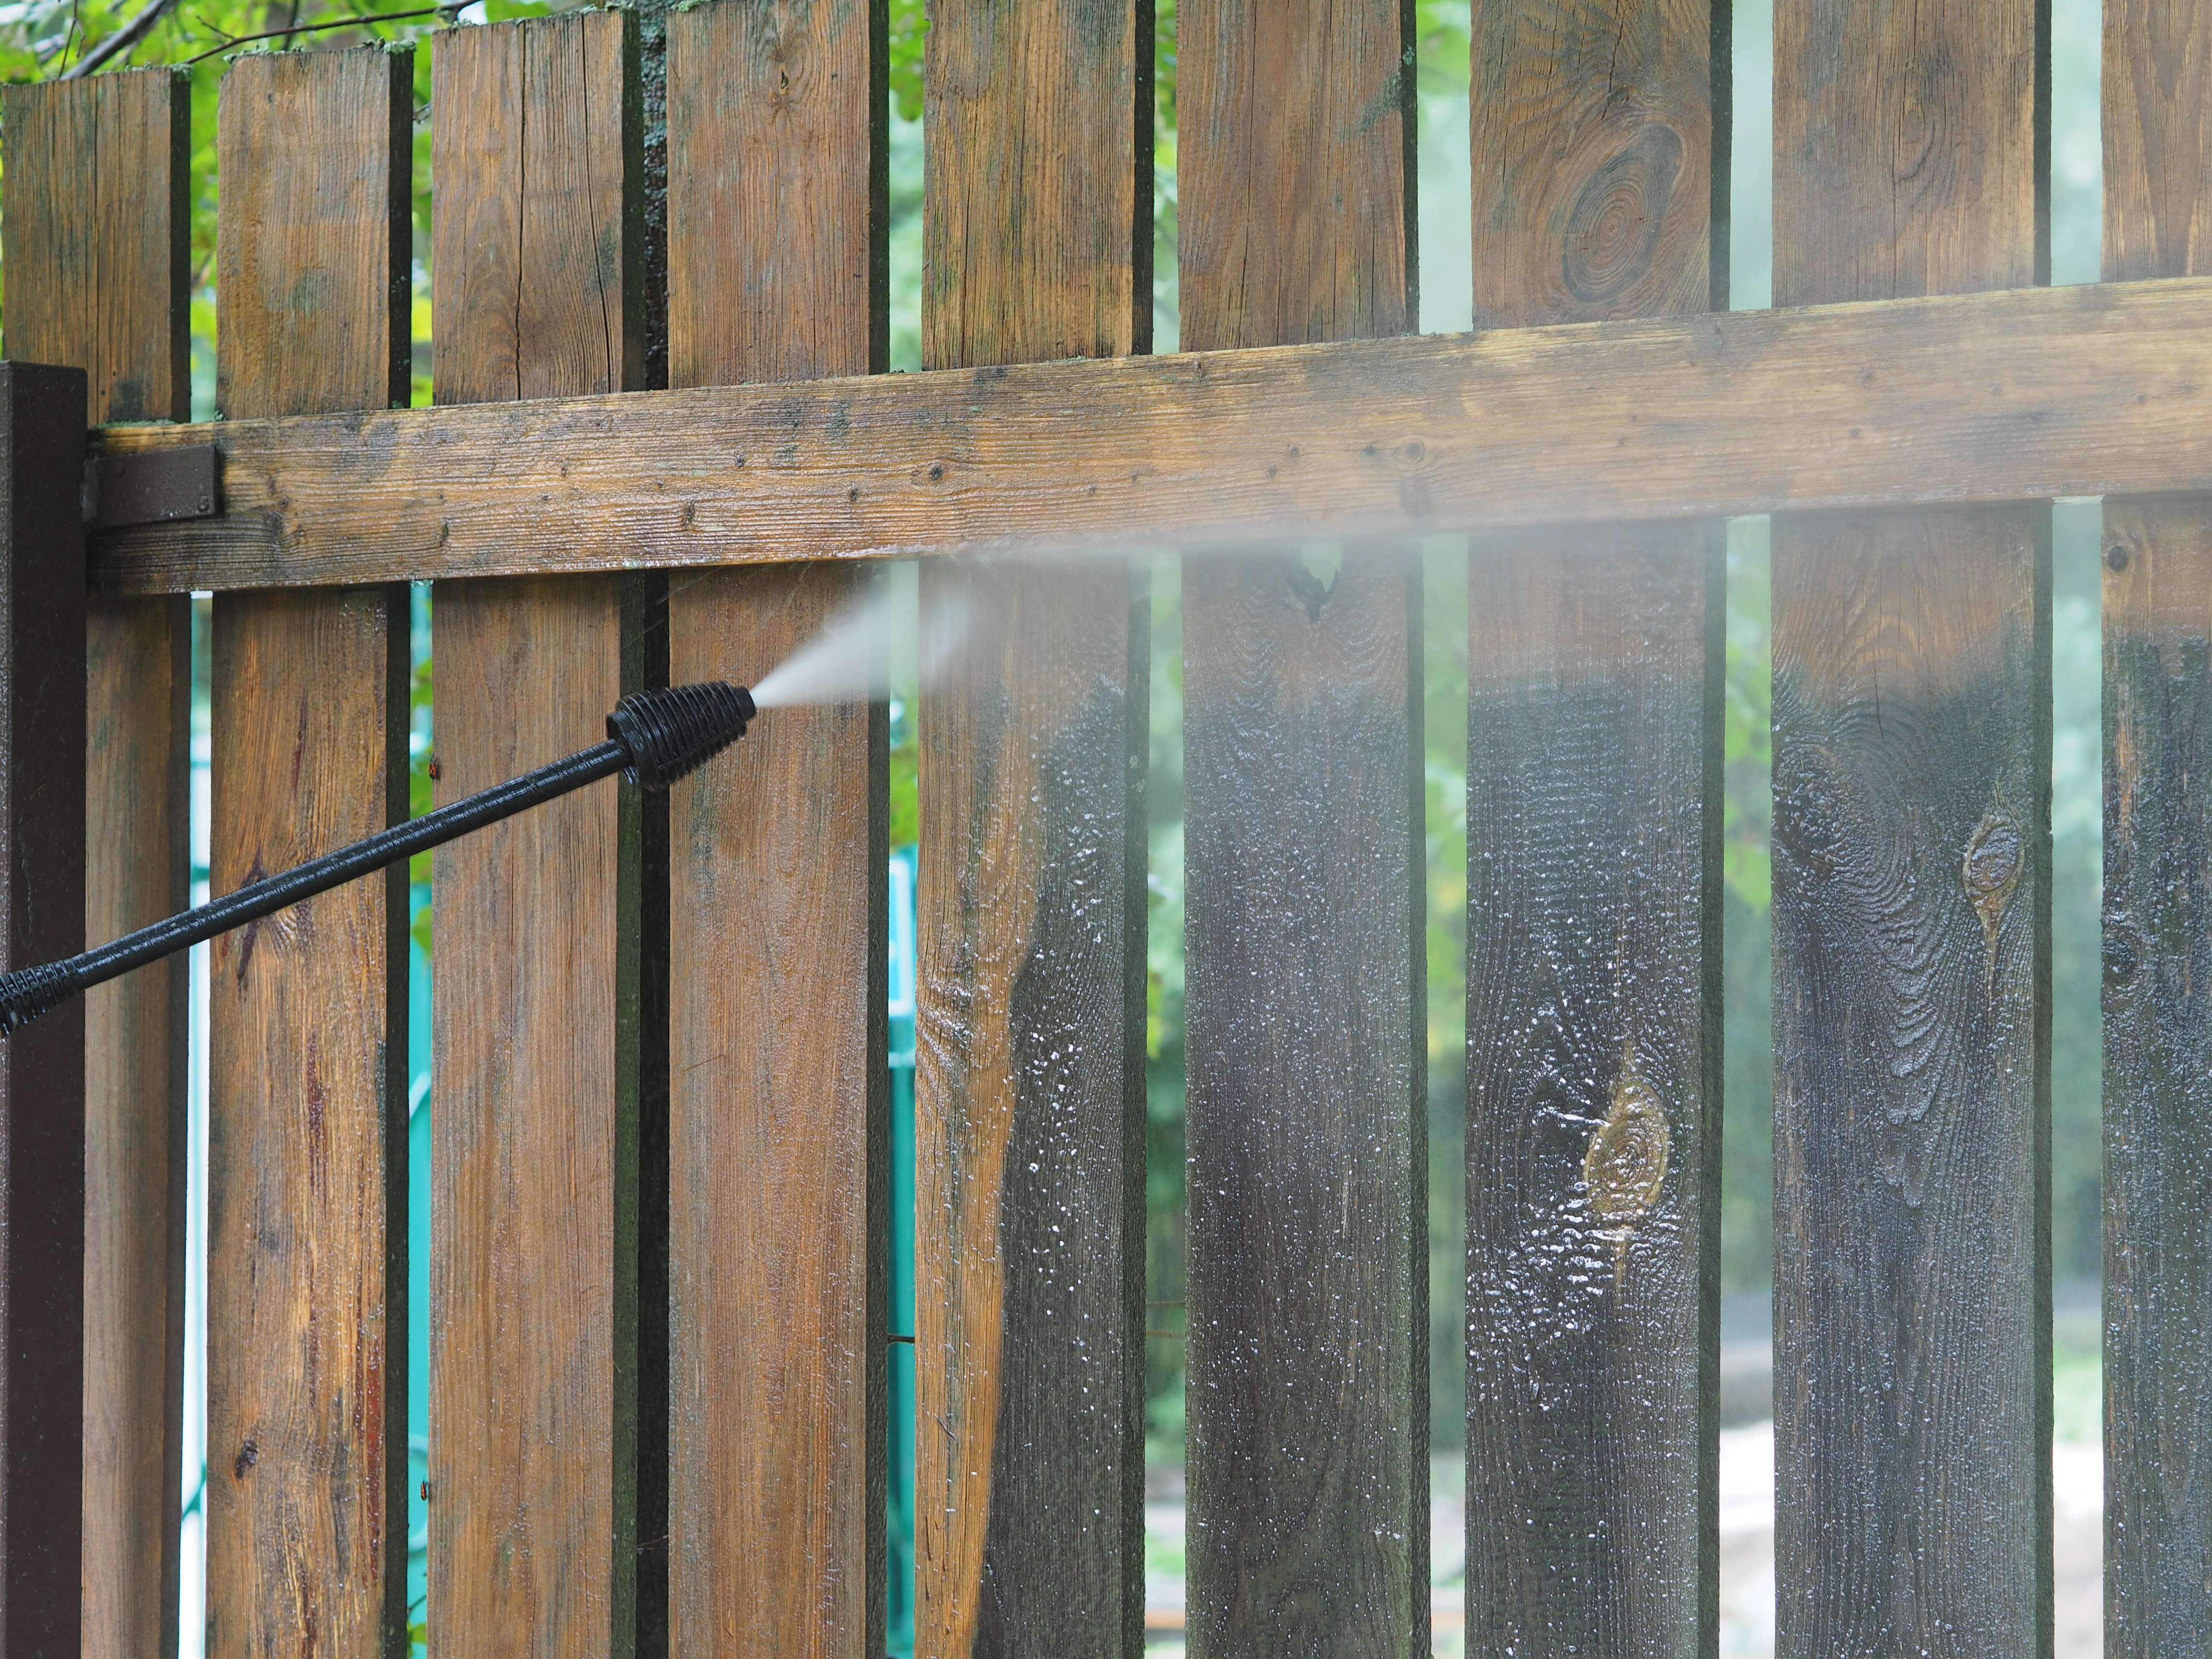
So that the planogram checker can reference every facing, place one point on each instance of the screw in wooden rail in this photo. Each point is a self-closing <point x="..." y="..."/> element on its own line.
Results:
<point x="1626" y="1160"/>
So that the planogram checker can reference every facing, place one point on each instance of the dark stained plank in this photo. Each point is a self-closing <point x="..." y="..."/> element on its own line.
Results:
<point x="97" y="246"/>
<point x="42" y="1066"/>
<point x="1911" y="910"/>
<point x="536" y="1025"/>
<point x="307" y="1535"/>
<point x="1602" y="192"/>
<point x="1029" y="938"/>
<point x="1594" y="1089"/>
<point x="1305" y="1104"/>
<point x="778" y="1109"/>
<point x="2032" y="393"/>
<point x="97" y="236"/>
<point x="1593" y="745"/>
<point x="2158" y="893"/>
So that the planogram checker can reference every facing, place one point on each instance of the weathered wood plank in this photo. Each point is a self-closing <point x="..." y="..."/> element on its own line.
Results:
<point x="1030" y="1008"/>
<point x="2075" y="391"/>
<point x="1594" y="744"/>
<point x="1911" y="896"/>
<point x="2158" y="907"/>
<point x="533" y="1265"/>
<point x="306" y="1532"/>
<point x="42" y="1066"/>
<point x="1306" y="1111"/>
<point x="779" y="1158"/>
<point x="97" y="245"/>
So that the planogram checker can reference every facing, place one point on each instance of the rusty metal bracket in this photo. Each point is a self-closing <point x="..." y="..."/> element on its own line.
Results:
<point x="151" y="487"/>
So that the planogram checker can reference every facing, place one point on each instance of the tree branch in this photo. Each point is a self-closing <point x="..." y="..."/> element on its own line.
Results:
<point x="119" y="45"/>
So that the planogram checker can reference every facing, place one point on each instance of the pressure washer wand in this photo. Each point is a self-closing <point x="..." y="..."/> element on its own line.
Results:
<point x="653" y="737"/>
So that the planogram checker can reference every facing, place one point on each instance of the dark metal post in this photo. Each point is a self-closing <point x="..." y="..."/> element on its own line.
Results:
<point x="42" y="840"/>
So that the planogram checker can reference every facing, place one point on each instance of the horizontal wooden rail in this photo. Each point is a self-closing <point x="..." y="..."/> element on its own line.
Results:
<point x="2030" y="392"/>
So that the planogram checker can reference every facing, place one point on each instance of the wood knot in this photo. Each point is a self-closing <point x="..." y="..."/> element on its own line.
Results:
<point x="248" y="1456"/>
<point x="1994" y="856"/>
<point x="1626" y="1164"/>
<point x="1614" y="224"/>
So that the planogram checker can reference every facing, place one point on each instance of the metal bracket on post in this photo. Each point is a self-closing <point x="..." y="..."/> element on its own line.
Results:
<point x="42" y="842"/>
<point x="155" y="487"/>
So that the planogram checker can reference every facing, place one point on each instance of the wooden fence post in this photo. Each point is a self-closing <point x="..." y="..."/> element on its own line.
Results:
<point x="42" y="703"/>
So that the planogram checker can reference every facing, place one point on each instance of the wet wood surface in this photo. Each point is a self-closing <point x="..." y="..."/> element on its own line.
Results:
<point x="42" y="1065"/>
<point x="2076" y="390"/>
<point x="534" y="1020"/>
<point x="1029" y="932"/>
<point x="1594" y="1089"/>
<point x="2158" y="892"/>
<point x="97" y="242"/>
<point x="1305" y="1104"/>
<point x="778" y="1156"/>
<point x="1912" y="897"/>
<point x="1594" y="1017"/>
<point x="307" y="1527"/>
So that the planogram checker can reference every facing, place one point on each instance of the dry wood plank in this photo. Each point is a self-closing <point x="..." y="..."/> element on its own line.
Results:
<point x="1305" y="1110"/>
<point x="98" y="240"/>
<point x="1030" y="941"/>
<point x="42" y="1066"/>
<point x="1911" y="896"/>
<point x="536" y="1027"/>
<point x="307" y="1069"/>
<point x="2036" y="393"/>
<point x="2158" y="910"/>
<point x="1594" y="744"/>
<point x="778" y="1108"/>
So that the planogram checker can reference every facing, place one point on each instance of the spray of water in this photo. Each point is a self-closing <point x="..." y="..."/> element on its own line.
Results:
<point x="849" y="661"/>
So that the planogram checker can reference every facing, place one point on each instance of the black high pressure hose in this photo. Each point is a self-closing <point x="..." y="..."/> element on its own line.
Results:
<point x="653" y="737"/>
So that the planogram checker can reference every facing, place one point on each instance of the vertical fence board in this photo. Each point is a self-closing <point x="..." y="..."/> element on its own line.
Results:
<point x="2158" y="892"/>
<point x="42" y="1072"/>
<point x="533" y="1269"/>
<point x="1306" y="998"/>
<point x="307" y="1069"/>
<point x="1594" y="746"/>
<point x="1912" y="895"/>
<point x="97" y="243"/>
<point x="778" y="1086"/>
<point x="1030" y="1020"/>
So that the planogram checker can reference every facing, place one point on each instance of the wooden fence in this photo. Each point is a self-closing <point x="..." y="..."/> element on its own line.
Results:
<point x="657" y="1313"/>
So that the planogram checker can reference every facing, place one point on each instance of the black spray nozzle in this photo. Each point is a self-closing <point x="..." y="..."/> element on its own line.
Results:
<point x="654" y="737"/>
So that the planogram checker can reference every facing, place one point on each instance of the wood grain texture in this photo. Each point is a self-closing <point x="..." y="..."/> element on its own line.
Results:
<point x="1029" y="1115"/>
<point x="2157" y="138"/>
<point x="1911" y="148"/>
<point x="779" y="1145"/>
<point x="1594" y="751"/>
<point x="533" y="1131"/>
<point x="778" y="1112"/>
<point x="97" y="237"/>
<point x="1295" y="172"/>
<point x="313" y="150"/>
<point x="1029" y="938"/>
<point x="777" y="135"/>
<point x="536" y="1022"/>
<point x="97" y="244"/>
<point x="2065" y="391"/>
<point x="1037" y="181"/>
<point x="307" y="1533"/>
<point x="1912" y="808"/>
<point x="1305" y="1109"/>
<point x="1594" y="1089"/>
<point x="42" y="1069"/>
<point x="537" y="223"/>
<point x="1603" y="187"/>
<point x="1911" y="894"/>
<point x="2158" y="1107"/>
<point x="2158" y="910"/>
